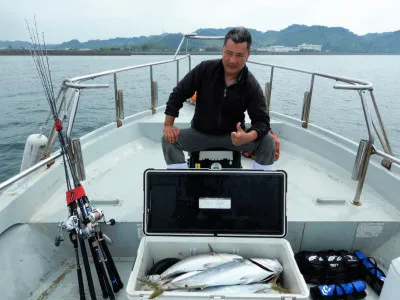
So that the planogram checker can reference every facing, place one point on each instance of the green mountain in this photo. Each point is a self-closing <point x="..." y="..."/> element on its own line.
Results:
<point x="388" y="42"/>
<point x="334" y="39"/>
<point x="14" y="44"/>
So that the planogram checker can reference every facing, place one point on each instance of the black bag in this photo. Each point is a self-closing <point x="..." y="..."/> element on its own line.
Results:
<point x="328" y="267"/>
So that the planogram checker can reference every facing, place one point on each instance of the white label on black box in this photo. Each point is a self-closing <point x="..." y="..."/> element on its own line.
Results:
<point x="214" y="203"/>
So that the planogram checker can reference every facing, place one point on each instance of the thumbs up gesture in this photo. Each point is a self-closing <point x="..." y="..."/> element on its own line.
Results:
<point x="239" y="137"/>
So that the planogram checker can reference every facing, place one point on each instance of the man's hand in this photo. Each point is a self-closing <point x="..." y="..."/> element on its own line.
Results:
<point x="171" y="133"/>
<point x="239" y="137"/>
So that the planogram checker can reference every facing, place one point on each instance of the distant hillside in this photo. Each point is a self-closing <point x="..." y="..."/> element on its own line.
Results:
<point x="388" y="42"/>
<point x="334" y="39"/>
<point x="96" y="44"/>
<point x="15" y="44"/>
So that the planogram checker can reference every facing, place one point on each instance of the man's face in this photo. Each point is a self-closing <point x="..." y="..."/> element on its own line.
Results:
<point x="234" y="57"/>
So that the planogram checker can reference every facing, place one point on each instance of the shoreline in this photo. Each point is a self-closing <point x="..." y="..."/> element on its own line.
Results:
<point x="21" y="52"/>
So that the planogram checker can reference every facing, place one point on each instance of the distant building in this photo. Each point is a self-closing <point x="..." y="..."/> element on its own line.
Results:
<point x="285" y="49"/>
<point x="278" y="48"/>
<point x="310" y="47"/>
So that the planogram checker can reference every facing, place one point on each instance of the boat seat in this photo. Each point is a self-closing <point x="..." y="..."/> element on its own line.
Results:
<point x="205" y="158"/>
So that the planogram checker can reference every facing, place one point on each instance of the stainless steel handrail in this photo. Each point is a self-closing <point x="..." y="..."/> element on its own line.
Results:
<point x="368" y="118"/>
<point x="75" y="83"/>
<point x="114" y="71"/>
<point x="385" y="142"/>
<point x="26" y="172"/>
<point x="194" y="36"/>
<point x="360" y="86"/>
<point x="385" y="155"/>
<point x="204" y="37"/>
<point x="85" y="86"/>
<point x="73" y="114"/>
<point x="351" y="84"/>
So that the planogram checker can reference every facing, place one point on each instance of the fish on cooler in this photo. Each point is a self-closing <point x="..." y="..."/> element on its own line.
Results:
<point x="242" y="289"/>
<point x="199" y="263"/>
<point x="245" y="271"/>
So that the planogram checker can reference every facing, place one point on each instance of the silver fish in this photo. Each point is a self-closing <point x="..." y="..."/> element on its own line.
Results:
<point x="231" y="273"/>
<point x="185" y="275"/>
<point x="199" y="263"/>
<point x="237" y="289"/>
<point x="155" y="280"/>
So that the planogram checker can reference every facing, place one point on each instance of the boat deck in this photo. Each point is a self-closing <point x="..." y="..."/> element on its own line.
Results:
<point x="115" y="180"/>
<point x="115" y="184"/>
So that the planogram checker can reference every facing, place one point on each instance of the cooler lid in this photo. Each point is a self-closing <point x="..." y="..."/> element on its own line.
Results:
<point x="215" y="202"/>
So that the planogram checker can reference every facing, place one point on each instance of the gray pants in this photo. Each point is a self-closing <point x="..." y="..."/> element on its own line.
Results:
<point x="191" y="140"/>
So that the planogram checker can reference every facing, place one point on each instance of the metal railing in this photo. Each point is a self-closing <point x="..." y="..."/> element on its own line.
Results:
<point x="32" y="169"/>
<point x="76" y="85"/>
<point x="366" y="147"/>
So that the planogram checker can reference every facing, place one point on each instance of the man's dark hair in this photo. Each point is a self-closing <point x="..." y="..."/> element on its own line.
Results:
<point x="239" y="35"/>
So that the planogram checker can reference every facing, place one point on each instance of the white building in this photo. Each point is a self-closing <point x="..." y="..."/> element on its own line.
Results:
<point x="285" y="49"/>
<point x="282" y="49"/>
<point x="310" y="47"/>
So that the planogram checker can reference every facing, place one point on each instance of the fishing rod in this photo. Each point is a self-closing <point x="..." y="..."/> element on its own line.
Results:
<point x="83" y="220"/>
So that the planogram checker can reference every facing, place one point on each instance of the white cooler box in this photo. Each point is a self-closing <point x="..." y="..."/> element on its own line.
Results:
<point x="235" y="211"/>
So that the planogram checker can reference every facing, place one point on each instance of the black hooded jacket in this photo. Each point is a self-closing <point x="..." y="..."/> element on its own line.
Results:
<point x="220" y="108"/>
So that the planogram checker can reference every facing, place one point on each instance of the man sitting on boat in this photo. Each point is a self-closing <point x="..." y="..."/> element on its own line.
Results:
<point x="225" y="89"/>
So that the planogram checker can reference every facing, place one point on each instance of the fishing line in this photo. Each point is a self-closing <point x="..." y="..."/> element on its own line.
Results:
<point x="82" y="222"/>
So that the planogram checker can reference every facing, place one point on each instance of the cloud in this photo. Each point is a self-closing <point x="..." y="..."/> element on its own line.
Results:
<point x="90" y="19"/>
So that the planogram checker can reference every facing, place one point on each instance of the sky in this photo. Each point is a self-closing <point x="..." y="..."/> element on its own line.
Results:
<point x="100" y="19"/>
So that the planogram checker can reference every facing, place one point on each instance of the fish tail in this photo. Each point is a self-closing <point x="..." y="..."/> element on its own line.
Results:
<point x="280" y="289"/>
<point x="157" y="289"/>
<point x="274" y="280"/>
<point x="156" y="293"/>
<point x="276" y="287"/>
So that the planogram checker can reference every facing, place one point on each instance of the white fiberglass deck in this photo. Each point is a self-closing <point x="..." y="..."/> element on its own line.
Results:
<point x="118" y="175"/>
<point x="115" y="160"/>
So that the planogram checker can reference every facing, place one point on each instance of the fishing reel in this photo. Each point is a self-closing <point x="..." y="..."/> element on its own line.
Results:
<point x="83" y="229"/>
<point x="71" y="224"/>
<point x="95" y="215"/>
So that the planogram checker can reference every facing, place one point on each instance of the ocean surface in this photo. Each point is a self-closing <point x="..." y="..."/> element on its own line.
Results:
<point x="24" y="108"/>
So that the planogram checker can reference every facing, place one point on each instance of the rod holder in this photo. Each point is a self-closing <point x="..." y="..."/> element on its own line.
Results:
<point x="365" y="150"/>
<point x="154" y="96"/>
<point x="305" y="115"/>
<point x="78" y="159"/>
<point x="360" y="160"/>
<point x="119" y="107"/>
